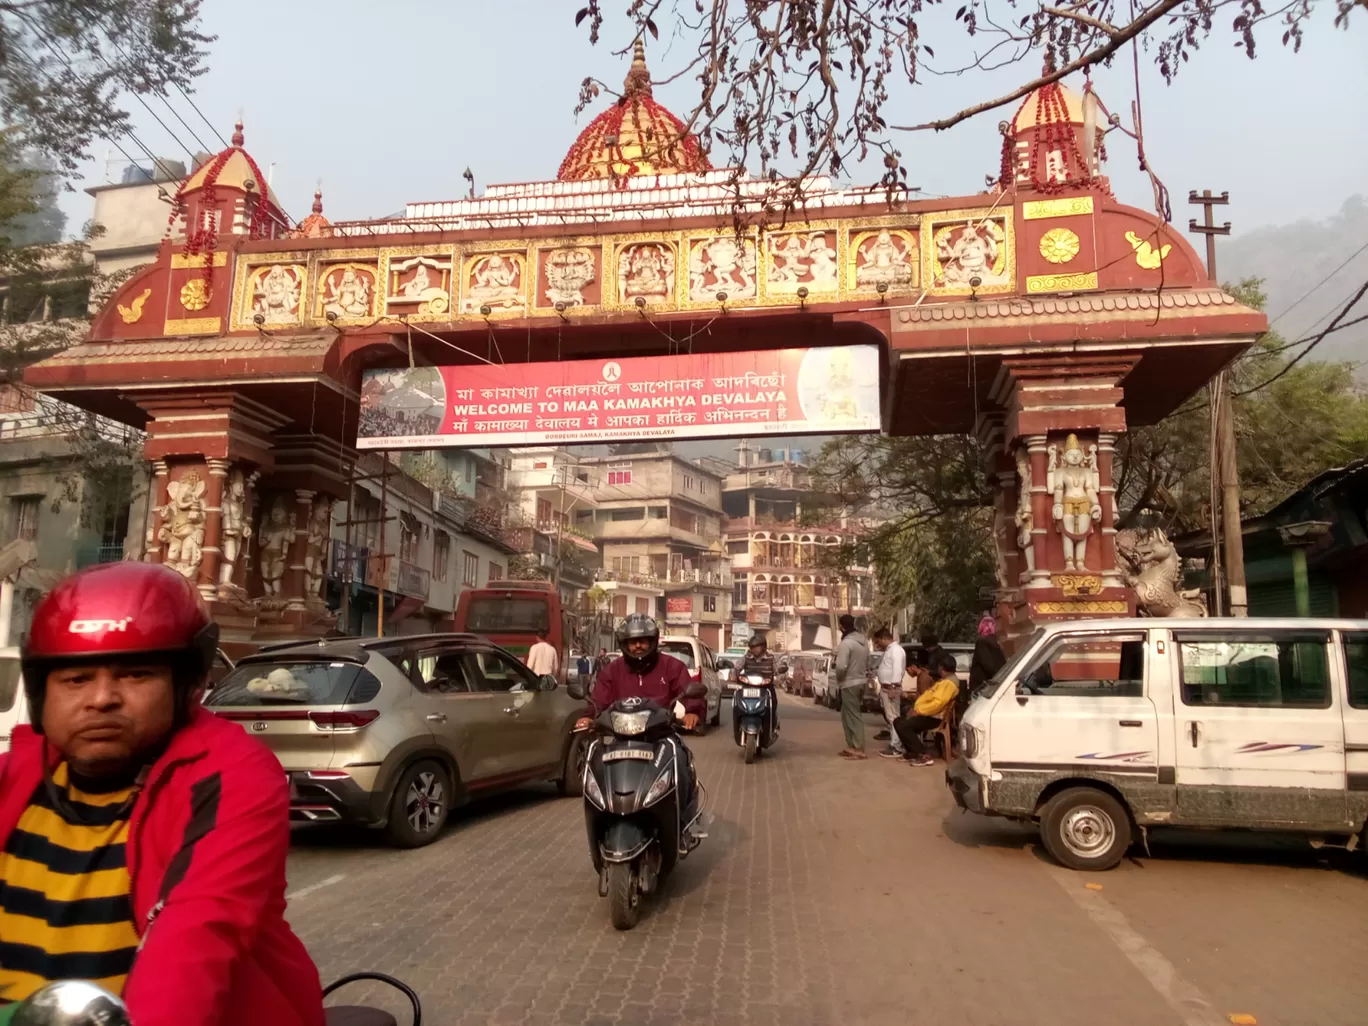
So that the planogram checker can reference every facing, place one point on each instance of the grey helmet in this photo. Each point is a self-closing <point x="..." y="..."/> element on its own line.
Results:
<point x="639" y="625"/>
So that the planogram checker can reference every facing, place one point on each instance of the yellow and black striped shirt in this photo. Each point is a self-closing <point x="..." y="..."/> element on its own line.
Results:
<point x="65" y="908"/>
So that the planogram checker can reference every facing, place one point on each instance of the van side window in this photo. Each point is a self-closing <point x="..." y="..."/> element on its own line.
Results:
<point x="1089" y="667"/>
<point x="1355" y="665"/>
<point x="1287" y="669"/>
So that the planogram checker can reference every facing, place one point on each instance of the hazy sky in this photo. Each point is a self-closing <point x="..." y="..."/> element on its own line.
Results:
<point x="387" y="103"/>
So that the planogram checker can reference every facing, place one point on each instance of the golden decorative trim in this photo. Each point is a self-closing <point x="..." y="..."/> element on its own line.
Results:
<point x="240" y="311"/>
<point x="1000" y="222"/>
<point x="180" y="261"/>
<point x="1036" y="210"/>
<point x="615" y="245"/>
<point x="320" y="298"/>
<point x="1059" y="245"/>
<point x="527" y="280"/>
<point x="1036" y="283"/>
<point x="132" y="313"/>
<point x="1080" y="607"/>
<point x="193" y="326"/>
<point x="1076" y="585"/>
<point x="194" y="294"/>
<point x="390" y="254"/>
<point x="538" y="305"/>
<point x="856" y="236"/>
<point x="786" y="293"/>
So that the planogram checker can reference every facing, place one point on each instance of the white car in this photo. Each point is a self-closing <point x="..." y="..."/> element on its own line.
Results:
<point x="1094" y="729"/>
<point x="699" y="660"/>
<point x="13" y="705"/>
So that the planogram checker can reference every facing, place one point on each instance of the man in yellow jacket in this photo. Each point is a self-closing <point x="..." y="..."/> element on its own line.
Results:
<point x="931" y="705"/>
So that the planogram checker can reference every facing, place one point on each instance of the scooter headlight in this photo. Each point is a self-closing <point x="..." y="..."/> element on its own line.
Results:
<point x="662" y="786"/>
<point x="629" y="724"/>
<point x="591" y="789"/>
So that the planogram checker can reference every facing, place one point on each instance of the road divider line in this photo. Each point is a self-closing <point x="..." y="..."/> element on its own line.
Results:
<point x="1181" y="995"/>
<point x="304" y="892"/>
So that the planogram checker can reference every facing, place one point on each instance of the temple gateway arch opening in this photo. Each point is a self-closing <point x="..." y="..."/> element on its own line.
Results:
<point x="644" y="295"/>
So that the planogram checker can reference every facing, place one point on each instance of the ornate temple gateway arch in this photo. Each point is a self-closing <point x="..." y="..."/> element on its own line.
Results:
<point x="1042" y="314"/>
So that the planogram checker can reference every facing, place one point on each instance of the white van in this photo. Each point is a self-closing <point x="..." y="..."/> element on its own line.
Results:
<point x="1098" y="729"/>
<point x="13" y="706"/>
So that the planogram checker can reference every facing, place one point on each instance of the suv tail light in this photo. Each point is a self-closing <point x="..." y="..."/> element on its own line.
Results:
<point x="353" y="719"/>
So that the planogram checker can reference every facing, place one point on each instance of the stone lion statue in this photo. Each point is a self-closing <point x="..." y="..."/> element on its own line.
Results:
<point x="1151" y="566"/>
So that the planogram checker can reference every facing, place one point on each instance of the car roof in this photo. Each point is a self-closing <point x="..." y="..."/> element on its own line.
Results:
<point x="356" y="650"/>
<point x="1224" y="623"/>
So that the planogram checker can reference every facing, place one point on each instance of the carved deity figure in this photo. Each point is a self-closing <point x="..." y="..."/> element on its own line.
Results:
<point x="349" y="295"/>
<point x="1074" y="484"/>
<point x="277" y="533"/>
<point x="568" y="271"/>
<point x="883" y="261"/>
<point x="970" y="253"/>
<point x="821" y="261"/>
<point x="235" y="531"/>
<point x="277" y="296"/>
<point x="495" y="281"/>
<point x="316" y="552"/>
<point x="724" y="264"/>
<point x="645" y="270"/>
<point x="1151" y="566"/>
<point x="788" y="259"/>
<point x="1025" y="518"/>
<point x="419" y="283"/>
<point x="182" y="528"/>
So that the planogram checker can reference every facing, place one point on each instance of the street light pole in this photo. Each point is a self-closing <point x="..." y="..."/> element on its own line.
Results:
<point x="1226" y="467"/>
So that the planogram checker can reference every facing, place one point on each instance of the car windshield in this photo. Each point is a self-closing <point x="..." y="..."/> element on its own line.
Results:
<point x="291" y="683"/>
<point x="506" y="614"/>
<point x="1009" y="667"/>
<point x="681" y="650"/>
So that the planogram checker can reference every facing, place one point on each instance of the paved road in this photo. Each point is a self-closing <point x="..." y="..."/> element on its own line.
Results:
<point x="843" y="893"/>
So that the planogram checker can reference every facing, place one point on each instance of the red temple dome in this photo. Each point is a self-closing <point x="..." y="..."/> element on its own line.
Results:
<point x="1054" y="141"/>
<point x="315" y="225"/>
<point x="635" y="136"/>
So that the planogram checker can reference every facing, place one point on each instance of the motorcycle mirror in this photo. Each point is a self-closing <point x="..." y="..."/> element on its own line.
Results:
<point x="696" y="691"/>
<point x="71" y="1003"/>
<point x="575" y="689"/>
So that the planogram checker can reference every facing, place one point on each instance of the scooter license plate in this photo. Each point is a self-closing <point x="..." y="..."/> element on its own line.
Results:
<point x="629" y="753"/>
<point x="750" y="692"/>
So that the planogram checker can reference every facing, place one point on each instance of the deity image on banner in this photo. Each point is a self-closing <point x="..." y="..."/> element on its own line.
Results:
<point x="347" y="291"/>
<point x="494" y="280"/>
<point x="274" y="291"/>
<point x="801" y="260"/>
<point x="723" y="263"/>
<point x="419" y="285"/>
<point x="965" y="250"/>
<point x="883" y="256"/>
<point x="568" y="274"/>
<point x="646" y="270"/>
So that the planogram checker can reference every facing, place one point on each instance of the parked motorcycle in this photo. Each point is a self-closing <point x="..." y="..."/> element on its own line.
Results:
<point x="80" y="1003"/>
<point x="753" y="723"/>
<point x="634" y="813"/>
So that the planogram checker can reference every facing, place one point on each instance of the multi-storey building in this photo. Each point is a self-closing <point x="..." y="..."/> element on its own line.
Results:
<point x="790" y="575"/>
<point x="546" y="490"/>
<point x="657" y="518"/>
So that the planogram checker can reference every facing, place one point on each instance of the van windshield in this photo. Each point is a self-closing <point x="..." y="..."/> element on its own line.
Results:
<point x="1009" y="668"/>
<point x="504" y="614"/>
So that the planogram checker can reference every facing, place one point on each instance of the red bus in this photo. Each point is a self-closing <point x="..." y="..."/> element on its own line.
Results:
<point x="512" y="613"/>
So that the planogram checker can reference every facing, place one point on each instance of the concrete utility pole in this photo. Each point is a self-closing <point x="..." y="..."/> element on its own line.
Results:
<point x="1225" y="467"/>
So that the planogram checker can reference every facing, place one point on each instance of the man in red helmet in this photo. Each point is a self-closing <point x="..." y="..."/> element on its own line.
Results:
<point x="142" y="840"/>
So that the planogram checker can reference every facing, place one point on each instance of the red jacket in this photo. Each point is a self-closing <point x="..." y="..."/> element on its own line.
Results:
<point x="207" y="841"/>
<point x="663" y="683"/>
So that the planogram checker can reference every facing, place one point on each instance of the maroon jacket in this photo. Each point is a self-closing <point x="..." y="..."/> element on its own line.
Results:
<point x="663" y="683"/>
<point x="207" y="841"/>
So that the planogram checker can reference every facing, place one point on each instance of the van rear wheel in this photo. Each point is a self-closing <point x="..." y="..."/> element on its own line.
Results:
<point x="1084" y="828"/>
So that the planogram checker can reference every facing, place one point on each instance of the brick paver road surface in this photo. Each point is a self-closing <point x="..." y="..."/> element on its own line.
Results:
<point x="831" y="892"/>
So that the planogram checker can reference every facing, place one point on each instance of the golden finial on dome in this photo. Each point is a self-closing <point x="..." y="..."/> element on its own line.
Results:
<point x="638" y="80"/>
<point x="237" y="133"/>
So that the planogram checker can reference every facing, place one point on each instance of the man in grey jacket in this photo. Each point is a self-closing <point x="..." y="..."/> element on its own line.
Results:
<point x="852" y="664"/>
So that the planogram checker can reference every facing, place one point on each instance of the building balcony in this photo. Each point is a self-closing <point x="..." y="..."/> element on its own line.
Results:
<point x="716" y="578"/>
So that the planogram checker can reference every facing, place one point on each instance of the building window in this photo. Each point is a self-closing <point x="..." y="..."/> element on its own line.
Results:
<point x="470" y="569"/>
<point x="627" y="564"/>
<point x="635" y="513"/>
<point x="441" y="555"/>
<point x="25" y="516"/>
<point x="495" y="571"/>
<point x="643" y="605"/>
<point x="619" y="473"/>
<point x="709" y="603"/>
<point x="544" y="511"/>
<point x="470" y="470"/>
<point x="584" y="516"/>
<point x="619" y="605"/>
<point x="409" y="531"/>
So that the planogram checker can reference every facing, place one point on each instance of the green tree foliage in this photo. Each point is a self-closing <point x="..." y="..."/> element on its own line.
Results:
<point x="928" y="501"/>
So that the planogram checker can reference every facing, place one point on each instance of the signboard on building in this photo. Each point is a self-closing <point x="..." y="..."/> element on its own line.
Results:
<point x="702" y="395"/>
<point x="679" y="610"/>
<point x="740" y="631"/>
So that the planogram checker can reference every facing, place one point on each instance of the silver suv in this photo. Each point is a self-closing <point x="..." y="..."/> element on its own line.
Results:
<point x="393" y="732"/>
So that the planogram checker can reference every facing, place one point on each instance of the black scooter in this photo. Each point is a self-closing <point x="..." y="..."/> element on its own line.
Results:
<point x="753" y="724"/>
<point x="633" y="810"/>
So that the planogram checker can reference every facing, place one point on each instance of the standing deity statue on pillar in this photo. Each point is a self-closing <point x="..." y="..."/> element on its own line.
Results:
<point x="277" y="535"/>
<point x="234" y="533"/>
<point x="1074" y="482"/>
<point x="182" y="527"/>
<point x="316" y="552"/>
<point x="1025" y="519"/>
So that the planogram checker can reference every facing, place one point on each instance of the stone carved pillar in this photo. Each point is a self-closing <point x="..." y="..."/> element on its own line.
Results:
<point x="213" y="520"/>
<point x="1106" y="495"/>
<point x="1041" y="503"/>
<point x="294" y="577"/>
<point x="158" y="499"/>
